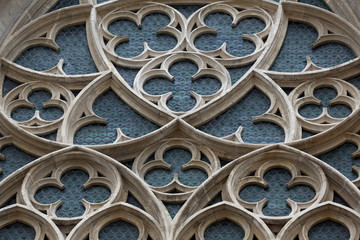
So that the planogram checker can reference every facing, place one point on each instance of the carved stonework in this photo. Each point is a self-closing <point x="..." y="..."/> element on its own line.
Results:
<point x="185" y="120"/>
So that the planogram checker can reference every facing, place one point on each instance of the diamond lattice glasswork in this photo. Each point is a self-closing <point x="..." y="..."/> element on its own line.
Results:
<point x="172" y="120"/>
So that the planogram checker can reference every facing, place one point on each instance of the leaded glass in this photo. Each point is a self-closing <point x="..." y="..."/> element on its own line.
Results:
<point x="175" y="120"/>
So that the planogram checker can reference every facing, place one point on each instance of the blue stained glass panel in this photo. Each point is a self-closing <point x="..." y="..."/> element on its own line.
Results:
<point x="254" y="103"/>
<point x="133" y="201"/>
<point x="73" y="49"/>
<point x="325" y="94"/>
<point x="187" y="10"/>
<point x="135" y="45"/>
<point x="329" y="230"/>
<point x="102" y="1"/>
<point x="224" y="230"/>
<point x="232" y="36"/>
<point x="182" y="85"/>
<point x="237" y="72"/>
<point x="277" y="192"/>
<point x="119" y="115"/>
<point x="14" y="159"/>
<point x="173" y="208"/>
<point x="64" y="3"/>
<point x="127" y="74"/>
<point x="176" y="157"/>
<point x="119" y="230"/>
<point x="17" y="231"/>
<point x="72" y="194"/>
<point x="37" y="98"/>
<point x="8" y="85"/>
<point x="341" y="159"/>
<point x="298" y="44"/>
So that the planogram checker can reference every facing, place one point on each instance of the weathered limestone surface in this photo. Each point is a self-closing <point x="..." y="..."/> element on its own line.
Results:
<point x="10" y="11"/>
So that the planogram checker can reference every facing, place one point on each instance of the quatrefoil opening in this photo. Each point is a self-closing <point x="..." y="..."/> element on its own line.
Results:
<point x="182" y="82"/>
<point x="276" y="191"/>
<point x="71" y="184"/>
<point x="136" y="39"/>
<point x="182" y="85"/>
<point x="72" y="193"/>
<point x="100" y="120"/>
<point x="229" y="34"/>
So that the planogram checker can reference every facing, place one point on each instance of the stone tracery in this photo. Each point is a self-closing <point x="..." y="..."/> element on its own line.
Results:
<point x="178" y="160"/>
